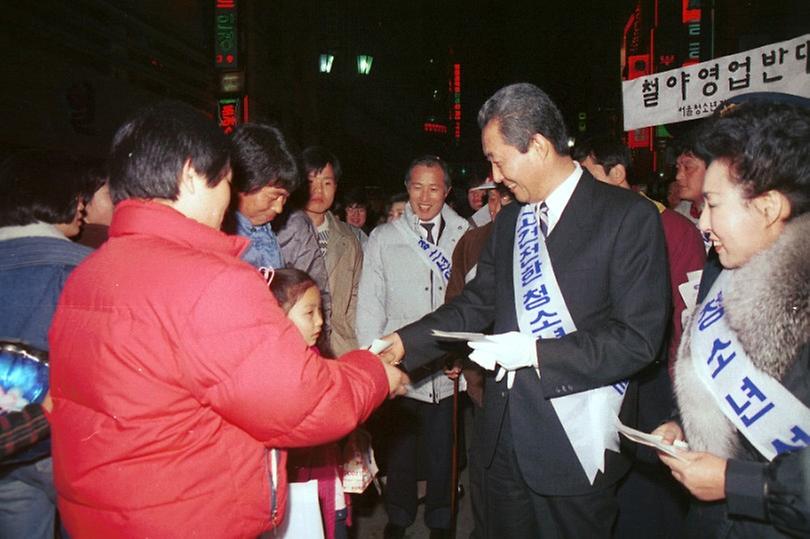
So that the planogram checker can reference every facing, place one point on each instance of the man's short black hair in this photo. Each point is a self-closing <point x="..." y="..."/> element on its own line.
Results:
<point x="687" y="144"/>
<point x="609" y="153"/>
<point x="262" y="157"/>
<point x="315" y="159"/>
<point x="766" y="146"/>
<point x="150" y="149"/>
<point x="39" y="185"/>
<point x="522" y="110"/>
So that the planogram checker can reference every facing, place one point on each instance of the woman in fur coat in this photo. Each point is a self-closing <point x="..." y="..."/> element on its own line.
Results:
<point x="742" y="378"/>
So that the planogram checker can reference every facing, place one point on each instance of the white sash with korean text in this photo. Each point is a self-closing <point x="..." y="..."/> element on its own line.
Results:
<point x="766" y="413"/>
<point x="589" y="417"/>
<point x="429" y="253"/>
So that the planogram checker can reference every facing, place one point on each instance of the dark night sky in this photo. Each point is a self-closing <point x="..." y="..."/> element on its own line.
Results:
<point x="570" y="49"/>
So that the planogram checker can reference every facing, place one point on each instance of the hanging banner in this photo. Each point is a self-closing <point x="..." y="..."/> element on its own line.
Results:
<point x="693" y="92"/>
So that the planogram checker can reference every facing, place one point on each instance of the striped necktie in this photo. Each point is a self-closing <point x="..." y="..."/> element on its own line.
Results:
<point x="542" y="214"/>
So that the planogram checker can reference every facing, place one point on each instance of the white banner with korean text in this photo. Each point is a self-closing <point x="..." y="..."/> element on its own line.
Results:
<point x="693" y="92"/>
<point x="765" y="412"/>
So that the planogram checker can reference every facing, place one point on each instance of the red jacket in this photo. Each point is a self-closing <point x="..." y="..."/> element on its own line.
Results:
<point x="172" y="371"/>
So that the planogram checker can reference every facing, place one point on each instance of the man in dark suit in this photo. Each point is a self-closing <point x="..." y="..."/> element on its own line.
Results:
<point x="607" y="249"/>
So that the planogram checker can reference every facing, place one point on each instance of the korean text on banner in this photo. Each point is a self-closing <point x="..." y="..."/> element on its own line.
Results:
<point x="693" y="92"/>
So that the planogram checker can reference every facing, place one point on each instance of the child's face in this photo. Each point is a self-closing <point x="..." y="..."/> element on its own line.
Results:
<point x="306" y="315"/>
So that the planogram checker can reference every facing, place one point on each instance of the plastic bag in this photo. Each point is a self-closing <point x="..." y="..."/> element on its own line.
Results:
<point x="359" y="466"/>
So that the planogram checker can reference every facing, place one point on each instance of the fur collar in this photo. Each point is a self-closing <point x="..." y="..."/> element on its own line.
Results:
<point x="768" y="306"/>
<point x="768" y="300"/>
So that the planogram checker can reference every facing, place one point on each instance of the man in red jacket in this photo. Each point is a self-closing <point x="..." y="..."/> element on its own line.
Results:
<point x="175" y="374"/>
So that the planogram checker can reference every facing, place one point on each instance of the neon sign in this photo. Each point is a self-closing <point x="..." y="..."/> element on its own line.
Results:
<point x="226" y="43"/>
<point x="228" y="114"/>
<point x="456" y="114"/>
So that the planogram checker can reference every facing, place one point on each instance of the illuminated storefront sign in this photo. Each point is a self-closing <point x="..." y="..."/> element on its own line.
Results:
<point x="434" y="127"/>
<point x="228" y="112"/>
<point x="226" y="43"/>
<point x="456" y="114"/>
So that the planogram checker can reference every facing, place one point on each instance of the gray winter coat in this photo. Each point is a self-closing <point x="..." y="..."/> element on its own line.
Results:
<point x="395" y="289"/>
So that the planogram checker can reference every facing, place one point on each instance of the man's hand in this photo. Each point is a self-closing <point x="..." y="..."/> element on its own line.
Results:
<point x="453" y="371"/>
<point x="393" y="354"/>
<point x="397" y="380"/>
<point x="512" y="351"/>
<point x="703" y="474"/>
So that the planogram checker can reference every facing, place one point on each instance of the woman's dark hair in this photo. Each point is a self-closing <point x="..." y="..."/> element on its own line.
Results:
<point x="150" y="149"/>
<point x="288" y="285"/>
<point x="39" y="185"/>
<point x="766" y="146"/>
<point x="356" y="196"/>
<point x="262" y="157"/>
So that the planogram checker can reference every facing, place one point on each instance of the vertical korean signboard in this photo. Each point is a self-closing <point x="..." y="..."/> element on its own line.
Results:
<point x="456" y="114"/>
<point x="228" y="112"/>
<point x="226" y="44"/>
<point x="226" y="61"/>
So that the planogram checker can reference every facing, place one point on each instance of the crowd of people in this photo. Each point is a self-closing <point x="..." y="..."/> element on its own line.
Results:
<point x="209" y="335"/>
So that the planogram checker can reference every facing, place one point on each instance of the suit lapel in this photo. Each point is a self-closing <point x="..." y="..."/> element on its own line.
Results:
<point x="576" y="225"/>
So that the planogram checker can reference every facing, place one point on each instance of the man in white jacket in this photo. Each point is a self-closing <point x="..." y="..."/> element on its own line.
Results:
<point x="405" y="272"/>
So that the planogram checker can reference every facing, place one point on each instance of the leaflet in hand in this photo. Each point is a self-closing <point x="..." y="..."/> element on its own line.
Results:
<point x="653" y="440"/>
<point x="458" y="335"/>
<point x="378" y="345"/>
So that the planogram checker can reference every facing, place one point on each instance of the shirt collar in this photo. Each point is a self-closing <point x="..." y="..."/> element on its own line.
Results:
<point x="244" y="226"/>
<point x="558" y="199"/>
<point x="38" y="229"/>
<point x="437" y="221"/>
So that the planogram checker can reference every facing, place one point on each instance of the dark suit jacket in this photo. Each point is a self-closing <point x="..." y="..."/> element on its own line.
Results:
<point x="609" y="258"/>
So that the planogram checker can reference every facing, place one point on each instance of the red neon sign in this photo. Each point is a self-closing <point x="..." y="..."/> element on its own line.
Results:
<point x="688" y="13"/>
<point x="457" y="102"/>
<point x="433" y="127"/>
<point x="228" y="114"/>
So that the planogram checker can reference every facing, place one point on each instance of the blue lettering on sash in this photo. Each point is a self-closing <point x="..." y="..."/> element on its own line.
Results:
<point x="711" y="313"/>
<point x="800" y="438"/>
<point x="751" y="391"/>
<point x="436" y="256"/>
<point x="722" y="360"/>
<point x="529" y="253"/>
<point x="536" y="297"/>
<point x="621" y="387"/>
<point x="546" y="320"/>
<point x="526" y="236"/>
<point x="532" y="272"/>
<point x="560" y="332"/>
<point x="527" y="220"/>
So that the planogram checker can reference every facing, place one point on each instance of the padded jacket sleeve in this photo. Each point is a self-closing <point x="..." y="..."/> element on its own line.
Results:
<point x="248" y="362"/>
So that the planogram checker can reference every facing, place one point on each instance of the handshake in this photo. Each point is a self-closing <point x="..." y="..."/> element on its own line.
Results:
<point x="391" y="352"/>
<point x="507" y="351"/>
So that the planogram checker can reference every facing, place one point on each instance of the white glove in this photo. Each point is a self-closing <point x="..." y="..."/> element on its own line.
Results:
<point x="512" y="351"/>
